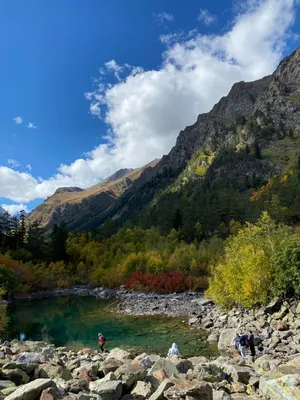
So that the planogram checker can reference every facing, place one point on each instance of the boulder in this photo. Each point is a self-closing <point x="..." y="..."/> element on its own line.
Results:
<point x="78" y="385"/>
<point x="209" y="372"/>
<point x="281" y="313"/>
<point x="159" y="393"/>
<point x="130" y="374"/>
<point x="273" y="306"/>
<point x="110" y="365"/>
<point x="32" y="390"/>
<point x="54" y="371"/>
<point x="8" y="391"/>
<point x="189" y="390"/>
<point x="6" y="384"/>
<point x="28" y="368"/>
<point x="169" y="369"/>
<point x="198" y="360"/>
<point x="31" y="358"/>
<point x="142" y="389"/>
<point x="119" y="354"/>
<point x="220" y="395"/>
<point x="282" y="388"/>
<point x="73" y="364"/>
<point x="213" y="338"/>
<point x="226" y="339"/>
<point x="238" y="373"/>
<point x="87" y="396"/>
<point x="50" y="394"/>
<point x="86" y="371"/>
<point x="109" y="390"/>
<point x="181" y="364"/>
<point x="17" y="376"/>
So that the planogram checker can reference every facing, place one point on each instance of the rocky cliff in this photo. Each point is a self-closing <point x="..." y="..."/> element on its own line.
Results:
<point x="76" y="206"/>
<point x="264" y="113"/>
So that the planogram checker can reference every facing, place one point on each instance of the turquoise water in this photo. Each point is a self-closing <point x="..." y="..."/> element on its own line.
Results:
<point x="75" y="321"/>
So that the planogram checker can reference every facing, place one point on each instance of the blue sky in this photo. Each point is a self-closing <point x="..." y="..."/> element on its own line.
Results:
<point x="89" y="86"/>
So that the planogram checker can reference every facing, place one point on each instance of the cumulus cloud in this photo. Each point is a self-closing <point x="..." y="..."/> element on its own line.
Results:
<point x="145" y="110"/>
<point x="13" y="209"/>
<point x="163" y="17"/>
<point x="28" y="166"/>
<point x="18" y="120"/>
<point x="31" y="126"/>
<point x="13" y="163"/>
<point x="206" y="17"/>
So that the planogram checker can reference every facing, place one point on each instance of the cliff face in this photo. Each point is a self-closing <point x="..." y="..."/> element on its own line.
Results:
<point x="260" y="112"/>
<point x="77" y="206"/>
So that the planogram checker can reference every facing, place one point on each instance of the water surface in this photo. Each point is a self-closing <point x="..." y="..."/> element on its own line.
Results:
<point x="75" y="321"/>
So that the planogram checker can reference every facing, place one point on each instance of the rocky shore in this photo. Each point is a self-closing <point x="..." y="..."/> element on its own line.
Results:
<point x="38" y="370"/>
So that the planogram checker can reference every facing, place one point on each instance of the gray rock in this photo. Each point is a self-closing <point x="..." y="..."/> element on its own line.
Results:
<point x="87" y="396"/>
<point x="181" y="364"/>
<point x="142" y="389"/>
<point x="166" y="366"/>
<point x="110" y="365"/>
<point x="282" y="388"/>
<point x="159" y="393"/>
<point x="273" y="306"/>
<point x="189" y="390"/>
<point x="109" y="390"/>
<point x="226" y="339"/>
<point x="220" y="395"/>
<point x="213" y="338"/>
<point x="6" y="384"/>
<point x="119" y="354"/>
<point x="31" y="358"/>
<point x="130" y="374"/>
<point x="32" y="390"/>
<point x="238" y="373"/>
<point x="17" y="376"/>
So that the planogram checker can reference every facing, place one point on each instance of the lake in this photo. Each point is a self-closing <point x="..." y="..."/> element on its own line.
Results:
<point x="75" y="321"/>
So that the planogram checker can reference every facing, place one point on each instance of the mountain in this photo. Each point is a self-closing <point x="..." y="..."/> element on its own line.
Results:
<point x="77" y="206"/>
<point x="249" y="136"/>
<point x="262" y="115"/>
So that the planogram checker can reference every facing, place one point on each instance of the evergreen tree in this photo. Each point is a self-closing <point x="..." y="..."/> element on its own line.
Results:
<point x="58" y="240"/>
<point x="257" y="151"/>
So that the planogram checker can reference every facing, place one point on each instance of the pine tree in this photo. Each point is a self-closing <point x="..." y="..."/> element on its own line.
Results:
<point x="257" y="151"/>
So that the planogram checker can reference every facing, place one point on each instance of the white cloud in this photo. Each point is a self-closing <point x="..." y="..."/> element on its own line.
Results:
<point x="18" y="120"/>
<point x="31" y="126"/>
<point x="145" y="110"/>
<point x="206" y="17"/>
<point x="13" y="163"/>
<point x="28" y="166"/>
<point x="13" y="209"/>
<point x="163" y="17"/>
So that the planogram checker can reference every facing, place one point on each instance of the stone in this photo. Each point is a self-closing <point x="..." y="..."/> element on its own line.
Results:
<point x="87" y="396"/>
<point x="181" y="364"/>
<point x="142" y="389"/>
<point x="282" y="388"/>
<point x="213" y="338"/>
<point x="159" y="393"/>
<point x="198" y="360"/>
<point x="193" y="321"/>
<point x="130" y="374"/>
<point x="209" y="372"/>
<point x="28" y="368"/>
<point x="78" y="385"/>
<point x="48" y="352"/>
<point x="281" y="326"/>
<point x="73" y="364"/>
<point x="119" y="354"/>
<point x="238" y="387"/>
<point x="31" y="358"/>
<point x="109" y="390"/>
<point x="273" y="306"/>
<point x="50" y="394"/>
<point x="238" y="373"/>
<point x="208" y="324"/>
<point x="298" y="308"/>
<point x="110" y="365"/>
<point x="169" y="369"/>
<point x="226" y="339"/>
<point x="6" y="384"/>
<point x="8" y="391"/>
<point x="220" y="395"/>
<point x="17" y="376"/>
<point x="86" y="370"/>
<point x="189" y="390"/>
<point x="31" y="390"/>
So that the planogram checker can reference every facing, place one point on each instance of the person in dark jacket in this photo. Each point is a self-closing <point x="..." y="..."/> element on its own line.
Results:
<point x="101" y="340"/>
<point x="251" y="344"/>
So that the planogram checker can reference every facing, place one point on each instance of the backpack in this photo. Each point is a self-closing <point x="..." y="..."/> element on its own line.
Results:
<point x="242" y="341"/>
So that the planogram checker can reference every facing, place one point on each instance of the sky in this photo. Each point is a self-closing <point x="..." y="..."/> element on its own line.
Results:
<point x="89" y="87"/>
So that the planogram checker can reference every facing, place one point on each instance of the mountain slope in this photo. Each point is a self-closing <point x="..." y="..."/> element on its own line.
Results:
<point x="253" y="114"/>
<point x="77" y="206"/>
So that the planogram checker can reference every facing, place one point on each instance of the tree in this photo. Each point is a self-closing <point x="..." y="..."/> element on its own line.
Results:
<point x="58" y="240"/>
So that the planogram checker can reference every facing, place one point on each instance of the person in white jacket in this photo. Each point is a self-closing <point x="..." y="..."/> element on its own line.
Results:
<point x="173" y="351"/>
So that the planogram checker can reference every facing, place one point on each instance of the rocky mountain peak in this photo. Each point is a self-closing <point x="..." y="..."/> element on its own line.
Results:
<point x="71" y="189"/>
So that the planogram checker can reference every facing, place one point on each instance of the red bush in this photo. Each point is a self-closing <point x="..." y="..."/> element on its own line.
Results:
<point x="168" y="282"/>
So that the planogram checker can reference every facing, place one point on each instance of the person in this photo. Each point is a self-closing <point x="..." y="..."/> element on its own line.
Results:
<point x="173" y="351"/>
<point x="242" y="345"/>
<point x="236" y="341"/>
<point x="101" y="340"/>
<point x="251" y="344"/>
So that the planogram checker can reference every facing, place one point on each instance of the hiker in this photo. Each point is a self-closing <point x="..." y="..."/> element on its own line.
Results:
<point x="173" y="351"/>
<point x="251" y="344"/>
<point x="101" y="340"/>
<point x="236" y="341"/>
<point x="242" y="345"/>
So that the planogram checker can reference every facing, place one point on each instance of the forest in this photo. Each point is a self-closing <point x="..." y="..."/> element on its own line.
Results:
<point x="242" y="247"/>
